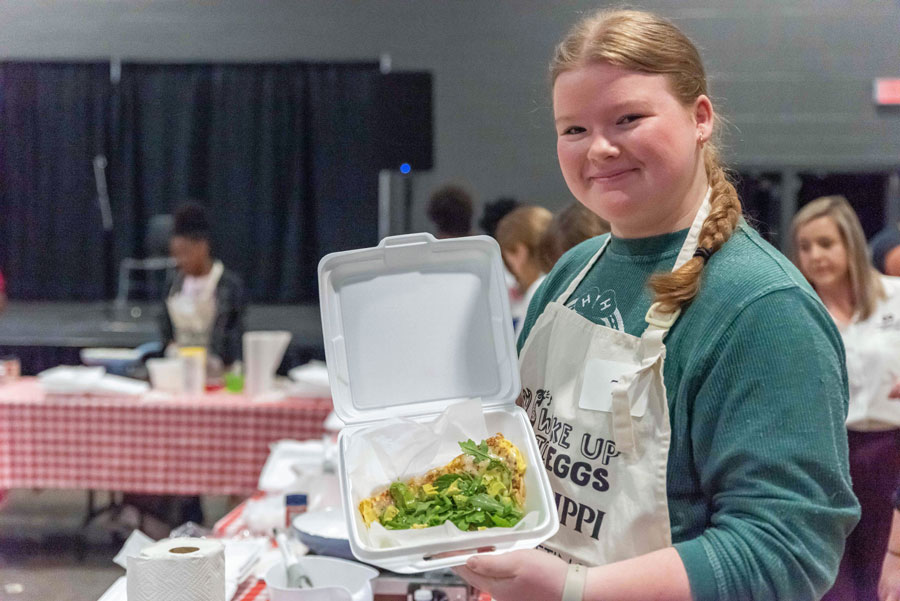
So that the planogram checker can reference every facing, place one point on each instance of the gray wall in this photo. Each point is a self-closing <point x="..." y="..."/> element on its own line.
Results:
<point x="793" y="78"/>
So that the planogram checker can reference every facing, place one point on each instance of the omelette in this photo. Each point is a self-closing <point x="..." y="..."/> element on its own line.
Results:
<point x="484" y="487"/>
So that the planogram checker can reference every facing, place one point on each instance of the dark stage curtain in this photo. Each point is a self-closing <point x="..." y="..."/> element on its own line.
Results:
<point x="53" y="121"/>
<point x="282" y="156"/>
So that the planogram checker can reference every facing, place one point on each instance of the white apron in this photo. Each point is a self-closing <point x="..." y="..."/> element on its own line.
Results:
<point x="193" y="316"/>
<point x="597" y="402"/>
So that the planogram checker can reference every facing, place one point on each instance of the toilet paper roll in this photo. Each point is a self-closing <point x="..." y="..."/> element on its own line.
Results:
<point x="178" y="569"/>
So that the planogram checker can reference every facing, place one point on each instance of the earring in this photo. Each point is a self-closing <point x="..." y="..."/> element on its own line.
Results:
<point x="700" y="137"/>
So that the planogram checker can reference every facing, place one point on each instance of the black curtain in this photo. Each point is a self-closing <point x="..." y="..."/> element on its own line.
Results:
<point x="864" y="191"/>
<point x="53" y="121"/>
<point x="282" y="156"/>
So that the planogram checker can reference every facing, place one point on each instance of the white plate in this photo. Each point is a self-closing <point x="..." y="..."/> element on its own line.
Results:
<point x="324" y="532"/>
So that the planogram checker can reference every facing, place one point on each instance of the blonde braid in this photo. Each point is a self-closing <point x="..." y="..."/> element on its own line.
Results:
<point x="676" y="289"/>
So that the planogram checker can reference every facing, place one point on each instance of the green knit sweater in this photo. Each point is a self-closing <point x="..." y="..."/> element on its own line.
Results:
<point x="758" y="482"/>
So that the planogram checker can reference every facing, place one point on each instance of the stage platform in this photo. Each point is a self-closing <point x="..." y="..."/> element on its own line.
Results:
<point x="44" y="334"/>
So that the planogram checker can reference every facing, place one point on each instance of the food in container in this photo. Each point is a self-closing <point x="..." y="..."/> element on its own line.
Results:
<point x="484" y="487"/>
<point x="448" y="373"/>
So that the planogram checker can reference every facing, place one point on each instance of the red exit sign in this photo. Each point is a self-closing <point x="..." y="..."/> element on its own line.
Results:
<point x="887" y="91"/>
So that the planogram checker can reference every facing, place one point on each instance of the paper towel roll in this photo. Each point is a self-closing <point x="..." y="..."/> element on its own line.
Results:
<point x="178" y="569"/>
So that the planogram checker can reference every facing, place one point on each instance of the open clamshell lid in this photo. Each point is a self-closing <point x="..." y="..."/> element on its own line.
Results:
<point x="416" y="324"/>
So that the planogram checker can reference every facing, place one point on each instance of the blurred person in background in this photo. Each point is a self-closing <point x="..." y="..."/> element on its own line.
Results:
<point x="450" y="210"/>
<point x="206" y="303"/>
<point x="519" y="235"/>
<point x="491" y="215"/>
<point x="829" y="247"/>
<point x="885" y="247"/>
<point x="569" y="228"/>
<point x="494" y="211"/>
<point x="205" y="306"/>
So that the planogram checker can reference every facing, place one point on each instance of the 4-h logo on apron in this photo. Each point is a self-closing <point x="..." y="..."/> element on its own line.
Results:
<point x="599" y="307"/>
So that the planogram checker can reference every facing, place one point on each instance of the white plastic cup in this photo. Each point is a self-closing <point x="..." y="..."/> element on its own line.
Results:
<point x="166" y="375"/>
<point x="263" y="352"/>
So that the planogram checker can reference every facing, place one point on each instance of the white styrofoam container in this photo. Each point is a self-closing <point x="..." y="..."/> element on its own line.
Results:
<point x="411" y="327"/>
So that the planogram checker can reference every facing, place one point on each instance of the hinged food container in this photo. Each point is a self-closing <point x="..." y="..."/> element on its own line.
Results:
<point x="412" y="327"/>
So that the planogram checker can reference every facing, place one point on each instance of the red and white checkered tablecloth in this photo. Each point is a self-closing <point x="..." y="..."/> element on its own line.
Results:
<point x="214" y="444"/>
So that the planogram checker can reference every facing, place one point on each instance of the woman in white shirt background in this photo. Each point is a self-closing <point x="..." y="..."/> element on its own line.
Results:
<point x="829" y="247"/>
<point x="520" y="235"/>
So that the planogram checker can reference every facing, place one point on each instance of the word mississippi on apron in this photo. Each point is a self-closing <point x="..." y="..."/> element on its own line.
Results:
<point x="596" y="399"/>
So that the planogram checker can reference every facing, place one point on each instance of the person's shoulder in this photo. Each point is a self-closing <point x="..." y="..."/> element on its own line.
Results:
<point x="567" y="267"/>
<point x="572" y="261"/>
<point x="749" y="286"/>
<point x="231" y="280"/>
<point x="560" y="276"/>
<point x="891" y="284"/>
<point x="577" y="256"/>
<point x="748" y="271"/>
<point x="749" y="264"/>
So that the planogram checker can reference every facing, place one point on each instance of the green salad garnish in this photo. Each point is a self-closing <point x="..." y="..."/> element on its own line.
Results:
<point x="470" y="500"/>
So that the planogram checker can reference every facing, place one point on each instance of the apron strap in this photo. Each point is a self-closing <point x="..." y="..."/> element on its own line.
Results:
<point x="652" y="348"/>
<point x="215" y="275"/>
<point x="657" y="319"/>
<point x="574" y="283"/>
<point x="693" y="237"/>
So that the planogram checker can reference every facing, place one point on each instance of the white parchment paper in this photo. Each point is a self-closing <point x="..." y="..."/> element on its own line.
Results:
<point x="402" y="449"/>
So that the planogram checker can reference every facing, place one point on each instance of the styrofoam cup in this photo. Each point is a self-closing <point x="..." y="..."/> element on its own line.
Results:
<point x="263" y="352"/>
<point x="166" y="375"/>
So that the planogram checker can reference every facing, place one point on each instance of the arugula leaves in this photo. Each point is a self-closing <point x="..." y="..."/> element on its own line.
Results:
<point x="470" y="501"/>
<point x="479" y="452"/>
<point x="482" y="452"/>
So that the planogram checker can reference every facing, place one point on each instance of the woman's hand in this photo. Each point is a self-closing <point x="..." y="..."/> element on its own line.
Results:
<point x="529" y="575"/>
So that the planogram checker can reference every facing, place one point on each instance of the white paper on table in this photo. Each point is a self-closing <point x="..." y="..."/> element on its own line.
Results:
<point x="286" y="459"/>
<point x="310" y="379"/>
<point x="240" y="557"/>
<point x="134" y="544"/>
<point x="402" y="449"/>
<point x="70" y="379"/>
<point x="78" y="379"/>
<point x="114" y="385"/>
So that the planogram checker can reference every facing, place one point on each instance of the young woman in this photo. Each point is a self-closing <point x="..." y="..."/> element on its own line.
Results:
<point x="695" y="380"/>
<point x="206" y="302"/>
<point x="519" y="235"/>
<point x="830" y="249"/>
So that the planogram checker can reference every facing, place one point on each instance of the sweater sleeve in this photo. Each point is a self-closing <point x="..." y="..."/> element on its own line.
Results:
<point x="769" y="396"/>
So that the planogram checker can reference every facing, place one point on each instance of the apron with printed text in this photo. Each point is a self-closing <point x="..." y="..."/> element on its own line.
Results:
<point x="596" y="399"/>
